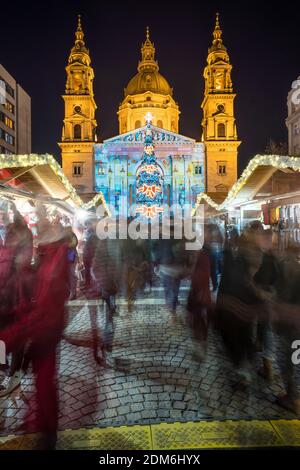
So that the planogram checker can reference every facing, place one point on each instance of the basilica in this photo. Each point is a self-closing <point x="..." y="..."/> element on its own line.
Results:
<point x="188" y="167"/>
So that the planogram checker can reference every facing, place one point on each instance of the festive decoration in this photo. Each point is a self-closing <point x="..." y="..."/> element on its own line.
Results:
<point x="149" y="175"/>
<point x="15" y="161"/>
<point x="149" y="178"/>
<point x="150" y="212"/>
<point x="276" y="161"/>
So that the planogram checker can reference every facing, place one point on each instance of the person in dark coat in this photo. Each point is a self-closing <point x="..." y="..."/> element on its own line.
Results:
<point x="105" y="269"/>
<point x="172" y="264"/>
<point x="72" y="241"/>
<point x="288" y="325"/>
<point x="137" y="268"/>
<point x="238" y="302"/>
<point x="266" y="279"/>
<point x="89" y="248"/>
<point x="199" y="302"/>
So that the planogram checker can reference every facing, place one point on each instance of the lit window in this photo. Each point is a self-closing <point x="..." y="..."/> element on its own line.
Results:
<point x="9" y="122"/>
<point x="9" y="107"/>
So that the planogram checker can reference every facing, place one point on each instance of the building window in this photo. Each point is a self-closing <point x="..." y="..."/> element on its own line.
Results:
<point x="159" y="123"/>
<point x="296" y="128"/>
<point x="9" y="122"/>
<point x="77" y="131"/>
<point x="137" y="124"/>
<point x="197" y="169"/>
<point x="8" y="88"/>
<point x="221" y="168"/>
<point x="221" y="130"/>
<point x="7" y="137"/>
<point x="5" y="151"/>
<point x="77" y="169"/>
<point x="9" y="107"/>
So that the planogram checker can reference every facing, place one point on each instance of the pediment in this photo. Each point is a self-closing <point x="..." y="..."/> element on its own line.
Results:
<point x="159" y="135"/>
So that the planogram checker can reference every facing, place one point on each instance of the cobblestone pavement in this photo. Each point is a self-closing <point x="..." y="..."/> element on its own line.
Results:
<point x="155" y="377"/>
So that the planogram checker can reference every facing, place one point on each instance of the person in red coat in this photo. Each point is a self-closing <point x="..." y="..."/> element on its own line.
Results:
<point x="15" y="281"/>
<point x="40" y="324"/>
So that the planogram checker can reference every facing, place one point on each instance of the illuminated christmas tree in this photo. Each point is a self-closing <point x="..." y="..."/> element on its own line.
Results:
<point x="149" y="195"/>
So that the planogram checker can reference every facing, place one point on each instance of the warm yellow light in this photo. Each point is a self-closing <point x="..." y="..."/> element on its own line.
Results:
<point x="148" y="117"/>
<point x="276" y="161"/>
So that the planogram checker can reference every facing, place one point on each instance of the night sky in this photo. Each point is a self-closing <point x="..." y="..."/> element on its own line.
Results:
<point x="262" y="40"/>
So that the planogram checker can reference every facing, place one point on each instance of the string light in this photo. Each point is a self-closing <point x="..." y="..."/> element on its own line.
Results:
<point x="276" y="161"/>
<point x="15" y="161"/>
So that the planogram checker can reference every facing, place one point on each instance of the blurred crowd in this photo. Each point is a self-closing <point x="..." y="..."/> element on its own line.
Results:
<point x="240" y="287"/>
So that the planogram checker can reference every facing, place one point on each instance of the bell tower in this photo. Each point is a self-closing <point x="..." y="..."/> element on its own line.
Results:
<point x="79" y="125"/>
<point x="218" y="123"/>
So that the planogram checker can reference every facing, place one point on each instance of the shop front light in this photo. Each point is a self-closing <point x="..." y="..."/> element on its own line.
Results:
<point x="81" y="215"/>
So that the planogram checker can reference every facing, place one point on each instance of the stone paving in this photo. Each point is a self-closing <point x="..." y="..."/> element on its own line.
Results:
<point x="155" y="377"/>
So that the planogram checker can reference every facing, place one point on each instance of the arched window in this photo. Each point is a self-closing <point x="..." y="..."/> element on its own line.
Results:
<point x="221" y="130"/>
<point x="77" y="131"/>
<point x="137" y="124"/>
<point x="159" y="123"/>
<point x="198" y="169"/>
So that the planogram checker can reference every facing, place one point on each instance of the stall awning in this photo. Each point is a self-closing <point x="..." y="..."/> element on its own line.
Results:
<point x="42" y="176"/>
<point x="259" y="170"/>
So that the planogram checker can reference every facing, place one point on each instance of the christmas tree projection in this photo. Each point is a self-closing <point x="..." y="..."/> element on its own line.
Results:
<point x="149" y="179"/>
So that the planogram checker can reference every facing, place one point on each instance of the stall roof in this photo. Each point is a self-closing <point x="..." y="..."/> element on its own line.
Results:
<point x="41" y="175"/>
<point x="256" y="174"/>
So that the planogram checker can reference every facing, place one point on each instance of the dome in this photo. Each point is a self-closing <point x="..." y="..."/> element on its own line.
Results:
<point x="148" y="77"/>
<point x="148" y="80"/>
<point x="148" y="91"/>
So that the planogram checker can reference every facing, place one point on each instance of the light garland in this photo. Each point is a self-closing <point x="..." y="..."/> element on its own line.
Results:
<point x="15" y="161"/>
<point x="276" y="161"/>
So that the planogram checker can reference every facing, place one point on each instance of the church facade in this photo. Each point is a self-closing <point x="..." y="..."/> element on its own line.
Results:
<point x="188" y="167"/>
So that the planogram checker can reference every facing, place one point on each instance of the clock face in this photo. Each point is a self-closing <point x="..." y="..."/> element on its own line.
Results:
<point x="221" y="108"/>
<point x="77" y="109"/>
